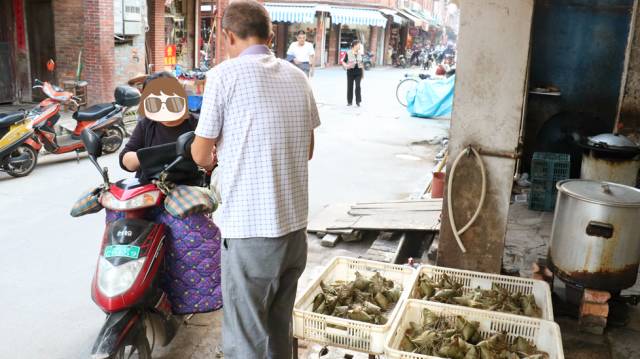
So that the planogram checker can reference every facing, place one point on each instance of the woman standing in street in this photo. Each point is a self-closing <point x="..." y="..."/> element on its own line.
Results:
<point x="353" y="63"/>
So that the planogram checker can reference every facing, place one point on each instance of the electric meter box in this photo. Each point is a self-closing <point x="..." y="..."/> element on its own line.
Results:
<point x="127" y="17"/>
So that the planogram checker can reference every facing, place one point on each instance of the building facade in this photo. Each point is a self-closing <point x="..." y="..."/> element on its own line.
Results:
<point x="383" y="26"/>
<point x="103" y="42"/>
<point x="106" y="42"/>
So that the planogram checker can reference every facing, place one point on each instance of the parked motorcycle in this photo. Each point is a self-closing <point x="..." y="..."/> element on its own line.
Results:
<point x="368" y="60"/>
<point x="20" y="154"/>
<point x="126" y="283"/>
<point x="401" y="61"/>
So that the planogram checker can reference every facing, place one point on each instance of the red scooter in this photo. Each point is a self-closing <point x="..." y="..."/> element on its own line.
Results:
<point x="104" y="119"/>
<point x="126" y="282"/>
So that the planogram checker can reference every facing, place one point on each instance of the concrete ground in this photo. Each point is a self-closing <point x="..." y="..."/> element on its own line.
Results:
<point x="527" y="241"/>
<point x="374" y="152"/>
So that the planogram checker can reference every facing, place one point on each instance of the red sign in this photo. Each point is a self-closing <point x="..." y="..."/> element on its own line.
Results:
<point x="18" y="13"/>
<point x="170" y="55"/>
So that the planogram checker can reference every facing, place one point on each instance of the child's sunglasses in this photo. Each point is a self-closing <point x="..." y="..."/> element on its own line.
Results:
<point x="173" y="104"/>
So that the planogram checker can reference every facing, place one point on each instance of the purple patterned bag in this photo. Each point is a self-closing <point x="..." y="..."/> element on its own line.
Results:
<point x="191" y="275"/>
<point x="192" y="263"/>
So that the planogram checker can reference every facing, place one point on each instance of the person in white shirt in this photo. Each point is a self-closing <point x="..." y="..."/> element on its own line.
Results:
<point x="261" y="114"/>
<point x="301" y="53"/>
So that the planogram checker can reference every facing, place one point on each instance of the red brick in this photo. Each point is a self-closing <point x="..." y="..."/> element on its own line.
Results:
<point x="596" y="296"/>
<point x="594" y="309"/>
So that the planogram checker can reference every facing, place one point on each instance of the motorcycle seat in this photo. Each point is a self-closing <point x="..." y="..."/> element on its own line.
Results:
<point x="94" y="112"/>
<point x="8" y="119"/>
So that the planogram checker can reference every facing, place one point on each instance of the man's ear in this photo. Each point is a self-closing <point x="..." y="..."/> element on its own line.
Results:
<point x="232" y="38"/>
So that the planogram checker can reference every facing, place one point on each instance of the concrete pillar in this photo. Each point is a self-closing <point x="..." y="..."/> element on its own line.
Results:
<point x="487" y="113"/>
<point x="155" y="36"/>
<point x="319" y="40"/>
<point x="387" y="37"/>
<point x="98" y="50"/>
<point x="333" y="45"/>
<point x="190" y="13"/>
<point x="281" y="40"/>
<point x="373" y="40"/>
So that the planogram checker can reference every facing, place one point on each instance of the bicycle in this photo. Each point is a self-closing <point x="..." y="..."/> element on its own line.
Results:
<point x="409" y="83"/>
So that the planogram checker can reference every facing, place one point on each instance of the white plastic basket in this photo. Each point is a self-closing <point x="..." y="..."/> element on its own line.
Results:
<point x="345" y="333"/>
<point x="472" y="280"/>
<point x="543" y="333"/>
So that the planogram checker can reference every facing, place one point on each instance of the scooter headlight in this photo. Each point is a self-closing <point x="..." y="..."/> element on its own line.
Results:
<point x="115" y="280"/>
<point x="149" y="199"/>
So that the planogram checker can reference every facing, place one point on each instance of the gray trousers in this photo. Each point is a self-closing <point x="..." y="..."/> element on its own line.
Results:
<point x="305" y="67"/>
<point x="259" y="283"/>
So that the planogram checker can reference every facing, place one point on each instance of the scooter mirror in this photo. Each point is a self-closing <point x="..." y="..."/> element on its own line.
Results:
<point x="183" y="145"/>
<point x="92" y="142"/>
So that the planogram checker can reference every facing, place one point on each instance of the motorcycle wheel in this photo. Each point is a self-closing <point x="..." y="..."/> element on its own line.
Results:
<point x="27" y="166"/>
<point x="112" y="139"/>
<point x="139" y="348"/>
<point x="403" y="88"/>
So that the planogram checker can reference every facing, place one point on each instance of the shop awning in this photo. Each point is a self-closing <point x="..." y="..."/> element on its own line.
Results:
<point x="291" y="13"/>
<point x="396" y="19"/>
<point x="417" y="21"/>
<point x="354" y="16"/>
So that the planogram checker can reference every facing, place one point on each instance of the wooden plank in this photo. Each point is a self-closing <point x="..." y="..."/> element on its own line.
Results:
<point x="331" y="215"/>
<point x="384" y="249"/>
<point x="419" y="221"/>
<point x="426" y="200"/>
<point x="401" y="206"/>
<point x="377" y="212"/>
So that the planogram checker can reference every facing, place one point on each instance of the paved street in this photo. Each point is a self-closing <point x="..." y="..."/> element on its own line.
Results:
<point x="48" y="258"/>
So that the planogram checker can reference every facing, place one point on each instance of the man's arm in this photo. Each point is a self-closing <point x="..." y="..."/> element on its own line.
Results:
<point x="202" y="152"/>
<point x="210" y="123"/>
<point x="314" y="120"/>
<point x="311" y="145"/>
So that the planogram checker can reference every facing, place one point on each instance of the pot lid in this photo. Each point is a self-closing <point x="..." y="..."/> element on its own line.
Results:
<point x="607" y="193"/>
<point x="612" y="141"/>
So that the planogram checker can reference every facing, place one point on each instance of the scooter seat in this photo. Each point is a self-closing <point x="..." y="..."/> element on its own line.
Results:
<point x="8" y="119"/>
<point x="94" y="112"/>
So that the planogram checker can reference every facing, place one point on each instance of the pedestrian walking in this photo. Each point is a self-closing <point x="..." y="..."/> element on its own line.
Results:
<point x="353" y="63"/>
<point x="301" y="53"/>
<point x="260" y="112"/>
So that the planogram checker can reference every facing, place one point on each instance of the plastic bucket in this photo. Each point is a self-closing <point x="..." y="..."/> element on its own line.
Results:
<point x="437" y="185"/>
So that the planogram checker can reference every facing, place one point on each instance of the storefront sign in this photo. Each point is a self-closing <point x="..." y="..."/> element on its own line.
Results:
<point x="170" y="55"/>
<point x="18" y="12"/>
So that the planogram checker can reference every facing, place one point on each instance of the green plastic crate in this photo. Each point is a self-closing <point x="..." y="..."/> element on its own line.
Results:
<point x="548" y="166"/>
<point x="542" y="196"/>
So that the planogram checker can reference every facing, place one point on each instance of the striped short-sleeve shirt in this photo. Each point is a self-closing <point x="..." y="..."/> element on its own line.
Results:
<point x="262" y="111"/>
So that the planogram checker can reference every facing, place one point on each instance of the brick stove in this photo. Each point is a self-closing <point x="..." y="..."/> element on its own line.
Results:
<point x="592" y="307"/>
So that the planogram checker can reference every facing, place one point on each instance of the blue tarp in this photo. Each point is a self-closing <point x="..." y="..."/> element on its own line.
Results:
<point x="432" y="98"/>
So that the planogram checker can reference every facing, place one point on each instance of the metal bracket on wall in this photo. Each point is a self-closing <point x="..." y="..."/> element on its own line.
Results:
<point x="503" y="154"/>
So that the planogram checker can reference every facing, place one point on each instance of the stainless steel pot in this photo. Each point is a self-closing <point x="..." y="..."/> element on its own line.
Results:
<point x="610" y="157"/>
<point x="595" y="240"/>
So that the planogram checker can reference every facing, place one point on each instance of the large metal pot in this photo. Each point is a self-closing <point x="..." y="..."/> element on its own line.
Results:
<point x="610" y="157"/>
<point x="595" y="241"/>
